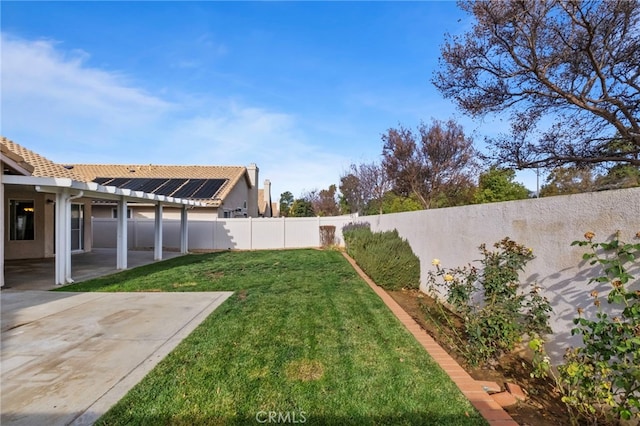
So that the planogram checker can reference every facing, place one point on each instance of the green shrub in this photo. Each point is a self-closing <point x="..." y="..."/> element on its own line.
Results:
<point x="601" y="379"/>
<point x="495" y="307"/>
<point x="384" y="256"/>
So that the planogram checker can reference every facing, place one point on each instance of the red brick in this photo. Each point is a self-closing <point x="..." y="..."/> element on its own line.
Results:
<point x="488" y="386"/>
<point x="516" y="391"/>
<point x="505" y="399"/>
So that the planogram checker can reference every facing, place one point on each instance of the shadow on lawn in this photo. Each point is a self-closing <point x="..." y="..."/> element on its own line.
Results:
<point x="141" y="271"/>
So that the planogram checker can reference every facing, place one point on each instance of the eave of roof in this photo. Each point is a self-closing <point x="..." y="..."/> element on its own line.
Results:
<point x="42" y="166"/>
<point x="15" y="162"/>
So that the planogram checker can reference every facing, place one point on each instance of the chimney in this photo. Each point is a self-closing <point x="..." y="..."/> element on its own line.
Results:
<point x="267" y="198"/>
<point x="252" y="201"/>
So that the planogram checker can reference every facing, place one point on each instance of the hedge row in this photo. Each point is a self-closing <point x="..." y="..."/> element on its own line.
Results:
<point x="384" y="256"/>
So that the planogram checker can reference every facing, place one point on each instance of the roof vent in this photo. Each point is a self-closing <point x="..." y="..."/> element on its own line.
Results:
<point x="68" y="166"/>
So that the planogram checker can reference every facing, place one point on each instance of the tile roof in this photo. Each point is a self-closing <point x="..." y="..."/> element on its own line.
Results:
<point x="42" y="167"/>
<point x="233" y="174"/>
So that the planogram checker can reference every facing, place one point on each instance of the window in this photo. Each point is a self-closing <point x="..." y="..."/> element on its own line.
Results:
<point x="21" y="220"/>
<point x="114" y="213"/>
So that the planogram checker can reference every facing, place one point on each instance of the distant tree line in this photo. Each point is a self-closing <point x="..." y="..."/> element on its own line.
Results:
<point x="437" y="166"/>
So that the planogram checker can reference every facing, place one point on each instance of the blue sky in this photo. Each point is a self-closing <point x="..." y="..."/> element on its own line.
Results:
<point x="303" y="89"/>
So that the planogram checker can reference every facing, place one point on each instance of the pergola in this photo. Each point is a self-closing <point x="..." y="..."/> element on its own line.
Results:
<point x="66" y="190"/>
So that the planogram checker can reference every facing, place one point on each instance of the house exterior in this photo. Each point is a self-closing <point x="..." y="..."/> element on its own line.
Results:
<point x="28" y="212"/>
<point x="47" y="208"/>
<point x="266" y="207"/>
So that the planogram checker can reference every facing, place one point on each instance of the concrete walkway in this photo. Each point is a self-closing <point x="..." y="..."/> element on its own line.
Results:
<point x="67" y="357"/>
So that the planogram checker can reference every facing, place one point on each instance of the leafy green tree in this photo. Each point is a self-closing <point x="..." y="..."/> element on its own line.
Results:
<point x="326" y="204"/>
<point x="568" y="180"/>
<point x="286" y="201"/>
<point x="392" y="203"/>
<point x="619" y="176"/>
<point x="498" y="184"/>
<point x="351" y="197"/>
<point x="364" y="186"/>
<point x="302" y="208"/>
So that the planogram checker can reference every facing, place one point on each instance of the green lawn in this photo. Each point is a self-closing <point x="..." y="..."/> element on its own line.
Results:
<point x="303" y="337"/>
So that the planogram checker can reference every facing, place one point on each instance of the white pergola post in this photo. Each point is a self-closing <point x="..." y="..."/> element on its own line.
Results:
<point x="184" y="231"/>
<point x="63" y="237"/>
<point x="121" y="236"/>
<point x="157" y="244"/>
<point x="2" y="212"/>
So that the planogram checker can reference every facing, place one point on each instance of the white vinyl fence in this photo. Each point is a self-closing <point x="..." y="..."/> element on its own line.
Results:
<point x="224" y="234"/>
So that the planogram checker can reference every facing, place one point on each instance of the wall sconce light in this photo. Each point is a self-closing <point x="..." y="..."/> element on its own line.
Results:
<point x="50" y="201"/>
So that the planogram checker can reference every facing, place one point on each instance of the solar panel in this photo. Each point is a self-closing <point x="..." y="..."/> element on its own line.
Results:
<point x="179" y="188"/>
<point x="119" y="182"/>
<point x="209" y="188"/>
<point x="135" y="184"/>
<point x="102" y="180"/>
<point x="169" y="187"/>
<point x="187" y="190"/>
<point x="153" y="184"/>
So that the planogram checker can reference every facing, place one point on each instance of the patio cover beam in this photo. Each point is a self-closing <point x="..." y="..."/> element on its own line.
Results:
<point x="93" y="190"/>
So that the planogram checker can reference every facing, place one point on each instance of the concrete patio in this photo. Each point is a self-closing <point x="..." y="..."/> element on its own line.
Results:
<point x="67" y="357"/>
<point x="39" y="274"/>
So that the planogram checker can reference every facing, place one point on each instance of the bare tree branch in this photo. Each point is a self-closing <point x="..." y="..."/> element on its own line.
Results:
<point x="558" y="67"/>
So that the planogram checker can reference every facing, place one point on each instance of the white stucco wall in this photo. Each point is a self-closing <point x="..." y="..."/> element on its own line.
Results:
<point x="236" y="199"/>
<point x="547" y="225"/>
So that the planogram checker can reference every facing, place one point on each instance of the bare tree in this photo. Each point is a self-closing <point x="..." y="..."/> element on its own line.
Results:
<point x="364" y="185"/>
<point x="437" y="165"/>
<point x="566" y="70"/>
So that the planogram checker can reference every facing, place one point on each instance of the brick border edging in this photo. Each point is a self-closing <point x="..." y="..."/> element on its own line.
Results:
<point x="470" y="388"/>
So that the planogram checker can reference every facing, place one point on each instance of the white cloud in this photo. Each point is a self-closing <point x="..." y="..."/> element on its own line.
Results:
<point x="50" y="95"/>
<point x="56" y="104"/>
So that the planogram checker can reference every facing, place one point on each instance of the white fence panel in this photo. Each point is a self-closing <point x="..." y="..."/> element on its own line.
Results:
<point x="268" y="233"/>
<point x="302" y="232"/>
<point x="201" y="235"/>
